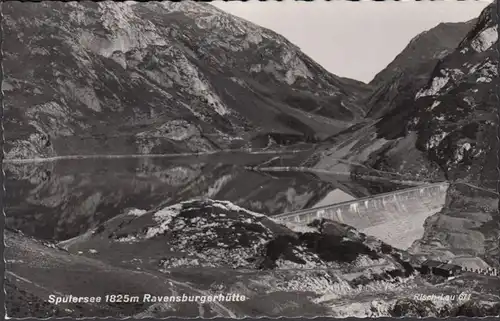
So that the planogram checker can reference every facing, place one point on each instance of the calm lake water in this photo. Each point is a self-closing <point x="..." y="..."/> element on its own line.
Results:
<point x="61" y="199"/>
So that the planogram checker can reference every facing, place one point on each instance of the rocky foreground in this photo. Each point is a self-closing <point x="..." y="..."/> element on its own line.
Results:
<point x="207" y="247"/>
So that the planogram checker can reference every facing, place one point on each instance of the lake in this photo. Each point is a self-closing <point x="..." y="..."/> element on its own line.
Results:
<point x="57" y="200"/>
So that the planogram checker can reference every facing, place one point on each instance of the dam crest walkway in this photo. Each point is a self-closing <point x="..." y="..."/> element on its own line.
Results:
<point x="376" y="209"/>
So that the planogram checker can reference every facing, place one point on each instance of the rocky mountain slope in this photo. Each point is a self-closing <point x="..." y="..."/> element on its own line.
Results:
<point x="412" y="68"/>
<point x="447" y="131"/>
<point x="208" y="247"/>
<point x="159" y="77"/>
<point x="448" y="126"/>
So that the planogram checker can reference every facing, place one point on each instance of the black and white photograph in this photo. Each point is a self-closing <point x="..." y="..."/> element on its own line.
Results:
<point x="251" y="159"/>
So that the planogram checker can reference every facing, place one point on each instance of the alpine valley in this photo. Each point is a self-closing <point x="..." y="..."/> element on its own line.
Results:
<point x="148" y="146"/>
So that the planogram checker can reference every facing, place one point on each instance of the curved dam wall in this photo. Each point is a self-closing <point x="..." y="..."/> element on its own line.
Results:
<point x="378" y="210"/>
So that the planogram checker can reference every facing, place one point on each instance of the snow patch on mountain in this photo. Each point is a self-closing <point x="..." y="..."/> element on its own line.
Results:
<point x="485" y="39"/>
<point x="438" y="83"/>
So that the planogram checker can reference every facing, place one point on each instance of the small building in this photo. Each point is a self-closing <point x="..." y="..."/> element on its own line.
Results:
<point x="430" y="266"/>
<point x="448" y="270"/>
<point x="417" y="261"/>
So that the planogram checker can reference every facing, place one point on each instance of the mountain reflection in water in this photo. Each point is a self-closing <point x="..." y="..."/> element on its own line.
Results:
<point x="62" y="199"/>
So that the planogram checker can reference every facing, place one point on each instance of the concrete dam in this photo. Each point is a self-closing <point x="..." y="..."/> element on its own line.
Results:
<point x="396" y="218"/>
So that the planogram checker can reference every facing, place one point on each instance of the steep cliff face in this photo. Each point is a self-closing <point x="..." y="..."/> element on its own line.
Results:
<point x="446" y="131"/>
<point x="412" y="68"/>
<point x="159" y="77"/>
<point x="456" y="113"/>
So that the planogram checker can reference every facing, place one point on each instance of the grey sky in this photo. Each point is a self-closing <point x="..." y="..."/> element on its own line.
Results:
<point x="352" y="39"/>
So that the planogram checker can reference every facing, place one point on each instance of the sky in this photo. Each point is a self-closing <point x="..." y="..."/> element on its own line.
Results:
<point x="352" y="39"/>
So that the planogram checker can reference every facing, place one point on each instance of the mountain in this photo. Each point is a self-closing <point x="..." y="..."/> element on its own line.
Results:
<point x="454" y="117"/>
<point x="430" y="45"/>
<point x="109" y="78"/>
<point x="446" y="131"/>
<point x="429" y="135"/>
<point x="159" y="77"/>
<point x="411" y="69"/>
